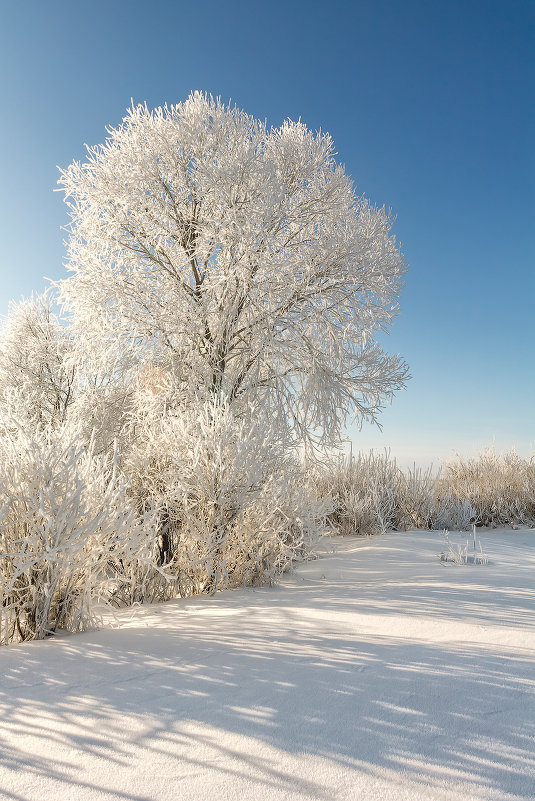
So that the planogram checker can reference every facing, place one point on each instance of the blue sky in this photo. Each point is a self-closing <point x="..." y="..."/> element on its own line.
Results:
<point x="430" y="105"/>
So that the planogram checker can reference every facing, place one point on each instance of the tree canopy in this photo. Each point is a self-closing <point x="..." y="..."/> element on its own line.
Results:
<point x="237" y="261"/>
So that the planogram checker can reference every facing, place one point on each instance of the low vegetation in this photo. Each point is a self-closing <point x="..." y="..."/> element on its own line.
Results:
<point x="371" y="494"/>
<point x="201" y="505"/>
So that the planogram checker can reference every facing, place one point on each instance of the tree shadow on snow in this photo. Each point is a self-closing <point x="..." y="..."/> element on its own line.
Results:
<point x="196" y="685"/>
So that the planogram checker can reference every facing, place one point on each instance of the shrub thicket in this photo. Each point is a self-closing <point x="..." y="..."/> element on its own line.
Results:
<point x="70" y="539"/>
<point x="202" y="502"/>
<point x="371" y="494"/>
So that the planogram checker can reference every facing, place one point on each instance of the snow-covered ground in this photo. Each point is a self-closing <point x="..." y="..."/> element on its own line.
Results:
<point x="374" y="672"/>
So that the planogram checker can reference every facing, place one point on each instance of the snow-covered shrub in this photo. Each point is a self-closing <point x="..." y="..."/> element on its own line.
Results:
<point x="500" y="489"/>
<point x="70" y="538"/>
<point x="456" y="553"/>
<point x="372" y="495"/>
<point x="451" y="513"/>
<point x="365" y="493"/>
<point x="468" y="551"/>
<point x="416" y="498"/>
<point x="232" y="509"/>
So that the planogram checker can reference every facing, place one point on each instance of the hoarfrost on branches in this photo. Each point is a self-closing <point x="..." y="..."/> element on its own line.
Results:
<point x="235" y="507"/>
<point x="34" y="361"/>
<point x="70" y="538"/>
<point x="238" y="260"/>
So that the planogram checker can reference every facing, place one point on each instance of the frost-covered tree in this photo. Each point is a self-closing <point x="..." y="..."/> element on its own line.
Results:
<point x="237" y="261"/>
<point x="34" y="361"/>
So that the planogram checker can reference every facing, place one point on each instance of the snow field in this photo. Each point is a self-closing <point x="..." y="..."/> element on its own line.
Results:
<point x="373" y="672"/>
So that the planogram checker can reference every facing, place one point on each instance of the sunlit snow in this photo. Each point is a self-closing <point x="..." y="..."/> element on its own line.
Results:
<point x="374" y="672"/>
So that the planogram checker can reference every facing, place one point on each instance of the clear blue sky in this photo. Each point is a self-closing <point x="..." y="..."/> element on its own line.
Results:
<point x="431" y="106"/>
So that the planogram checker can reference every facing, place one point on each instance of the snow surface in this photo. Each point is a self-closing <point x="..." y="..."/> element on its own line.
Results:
<point x="374" y="672"/>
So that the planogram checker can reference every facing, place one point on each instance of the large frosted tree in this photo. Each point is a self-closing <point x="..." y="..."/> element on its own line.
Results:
<point x="234" y="261"/>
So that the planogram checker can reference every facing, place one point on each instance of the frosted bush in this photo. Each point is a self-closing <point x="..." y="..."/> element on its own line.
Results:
<point x="365" y="494"/>
<point x="457" y="553"/>
<point x="500" y="489"/>
<point x="452" y="513"/>
<point x="416" y="498"/>
<point x="231" y="508"/>
<point x="469" y="551"/>
<point x="70" y="538"/>
<point x="372" y="495"/>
